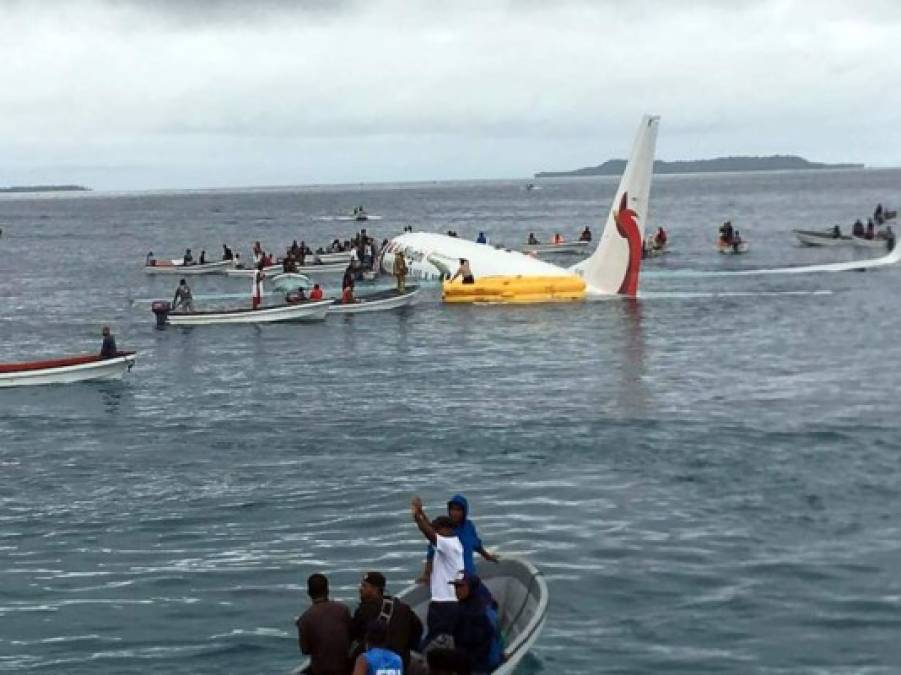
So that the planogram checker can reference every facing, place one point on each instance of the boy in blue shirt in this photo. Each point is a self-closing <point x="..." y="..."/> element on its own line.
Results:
<point x="465" y="529"/>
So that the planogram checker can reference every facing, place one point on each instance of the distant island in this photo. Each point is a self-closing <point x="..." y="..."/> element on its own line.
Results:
<point x="45" y="188"/>
<point x="615" y="167"/>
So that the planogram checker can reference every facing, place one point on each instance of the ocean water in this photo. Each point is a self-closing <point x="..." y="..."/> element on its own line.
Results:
<point x="709" y="477"/>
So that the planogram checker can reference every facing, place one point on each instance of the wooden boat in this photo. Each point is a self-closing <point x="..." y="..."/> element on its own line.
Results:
<point x="309" y="310"/>
<point x="66" y="370"/>
<point x="821" y="238"/>
<point x="569" y="247"/>
<point x="377" y="302"/>
<point x="522" y="597"/>
<point x="178" y="267"/>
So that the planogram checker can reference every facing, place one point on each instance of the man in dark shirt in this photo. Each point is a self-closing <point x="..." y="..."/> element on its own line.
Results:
<point x="404" y="627"/>
<point x="108" y="348"/>
<point x="323" y="631"/>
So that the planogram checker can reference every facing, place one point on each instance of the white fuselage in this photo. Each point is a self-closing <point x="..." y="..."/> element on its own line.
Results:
<point x="431" y="257"/>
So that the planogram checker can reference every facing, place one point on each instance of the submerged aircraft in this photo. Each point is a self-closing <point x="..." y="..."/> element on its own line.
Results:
<point x="510" y="276"/>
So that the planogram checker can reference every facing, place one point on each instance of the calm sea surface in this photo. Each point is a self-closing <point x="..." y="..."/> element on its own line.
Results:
<point x="710" y="483"/>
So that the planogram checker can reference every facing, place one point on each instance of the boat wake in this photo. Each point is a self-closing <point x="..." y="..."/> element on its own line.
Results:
<point x="850" y="266"/>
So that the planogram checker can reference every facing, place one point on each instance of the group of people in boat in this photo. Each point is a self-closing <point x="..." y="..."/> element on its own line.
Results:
<point x="360" y="213"/>
<point x="558" y="238"/>
<point x="729" y="236"/>
<point x="654" y="243"/>
<point x="875" y="229"/>
<point x="384" y="636"/>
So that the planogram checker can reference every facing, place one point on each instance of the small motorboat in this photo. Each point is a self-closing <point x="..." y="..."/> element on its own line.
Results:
<point x="732" y="249"/>
<point x="66" y="370"/>
<point x="376" y="302"/>
<point x="307" y="310"/>
<point x="821" y="238"/>
<point x="568" y="247"/>
<point x="522" y="597"/>
<point x="277" y="270"/>
<point x="328" y="258"/>
<point x="178" y="267"/>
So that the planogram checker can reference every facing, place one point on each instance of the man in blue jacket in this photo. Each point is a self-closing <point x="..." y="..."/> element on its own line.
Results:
<point x="465" y="529"/>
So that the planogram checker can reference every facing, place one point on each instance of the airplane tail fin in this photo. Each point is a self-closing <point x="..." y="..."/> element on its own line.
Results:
<point x="614" y="266"/>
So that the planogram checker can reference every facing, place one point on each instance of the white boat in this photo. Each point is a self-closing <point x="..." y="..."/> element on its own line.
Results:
<point x="309" y="310"/>
<point x="178" y="267"/>
<point x="522" y="597"/>
<point x="563" y="247"/>
<point x="879" y="244"/>
<point x="327" y="258"/>
<point x="821" y="238"/>
<point x="248" y="271"/>
<point x="733" y="249"/>
<point x="66" y="370"/>
<point x="377" y="302"/>
<point x="277" y="270"/>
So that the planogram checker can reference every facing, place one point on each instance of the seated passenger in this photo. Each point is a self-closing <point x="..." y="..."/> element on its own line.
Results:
<point x="323" y="631"/>
<point x="558" y="238"/>
<point x="316" y="293"/>
<point x="294" y="296"/>
<point x="857" y="229"/>
<point x="464" y="272"/>
<point x="227" y="253"/>
<point x="347" y="296"/>
<point x="533" y="240"/>
<point x="871" y="230"/>
<point x="477" y="632"/>
<point x="836" y="232"/>
<point x="378" y="659"/>
<point x="660" y="238"/>
<point x="586" y="234"/>
<point x="482" y="238"/>
<point x="203" y="257"/>
<point x="188" y="258"/>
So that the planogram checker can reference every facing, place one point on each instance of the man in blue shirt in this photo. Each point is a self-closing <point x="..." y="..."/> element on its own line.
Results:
<point x="377" y="659"/>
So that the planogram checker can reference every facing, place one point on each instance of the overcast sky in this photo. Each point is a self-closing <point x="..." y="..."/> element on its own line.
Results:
<point x="183" y="94"/>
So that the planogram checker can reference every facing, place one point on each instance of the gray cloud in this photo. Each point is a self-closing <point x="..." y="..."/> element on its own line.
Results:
<point x="543" y="85"/>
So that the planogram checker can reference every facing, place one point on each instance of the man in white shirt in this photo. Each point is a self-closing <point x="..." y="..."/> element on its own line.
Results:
<point x="444" y="607"/>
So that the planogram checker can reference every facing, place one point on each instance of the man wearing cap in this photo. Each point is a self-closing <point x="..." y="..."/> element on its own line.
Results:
<point x="443" y="609"/>
<point x="323" y="631"/>
<point x="404" y="629"/>
<point x="476" y="633"/>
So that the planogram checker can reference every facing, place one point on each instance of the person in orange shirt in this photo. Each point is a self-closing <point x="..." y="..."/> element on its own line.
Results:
<point x="347" y="296"/>
<point x="316" y="293"/>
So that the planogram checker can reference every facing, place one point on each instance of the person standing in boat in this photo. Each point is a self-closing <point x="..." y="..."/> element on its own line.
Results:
<point x="878" y="215"/>
<point x="149" y="261"/>
<point x="443" y="607"/>
<point x="227" y="253"/>
<point x="347" y="281"/>
<point x="465" y="272"/>
<point x="188" y="259"/>
<point x="586" y="234"/>
<point x="857" y="229"/>
<point x="323" y="631"/>
<point x="533" y="240"/>
<point x="400" y="271"/>
<point x="183" y="298"/>
<point x="108" y="348"/>
<point x="256" y="291"/>
<point x="482" y="238"/>
<point x="465" y="529"/>
<point x="871" y="229"/>
<point x="203" y="257"/>
<point x="404" y="627"/>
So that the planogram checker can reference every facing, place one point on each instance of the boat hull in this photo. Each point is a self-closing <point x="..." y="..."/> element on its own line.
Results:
<point x="515" y="290"/>
<point x="278" y="270"/>
<point x="569" y="247"/>
<point x="875" y="244"/>
<point x="219" y="267"/>
<point x="522" y="596"/>
<point x="377" y="302"/>
<point x="814" y="238"/>
<point x="303" y="311"/>
<point x="66" y="370"/>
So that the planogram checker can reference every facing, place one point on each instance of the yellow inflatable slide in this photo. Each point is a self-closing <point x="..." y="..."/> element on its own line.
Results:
<point x="515" y="289"/>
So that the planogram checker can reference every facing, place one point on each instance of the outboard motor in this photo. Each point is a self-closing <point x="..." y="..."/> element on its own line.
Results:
<point x="161" y="309"/>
